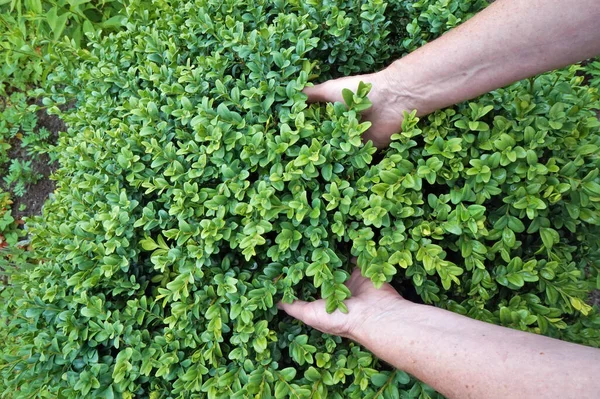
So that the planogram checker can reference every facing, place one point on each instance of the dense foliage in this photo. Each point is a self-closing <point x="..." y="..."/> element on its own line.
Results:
<point x="35" y="36"/>
<point x="592" y="70"/>
<point x="197" y="188"/>
<point x="31" y="29"/>
<point x="18" y="133"/>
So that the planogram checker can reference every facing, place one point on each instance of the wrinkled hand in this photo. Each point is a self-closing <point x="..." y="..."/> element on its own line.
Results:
<point x="389" y="100"/>
<point x="366" y="306"/>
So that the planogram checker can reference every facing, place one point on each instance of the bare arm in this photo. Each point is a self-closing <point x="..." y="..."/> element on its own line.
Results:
<point x="508" y="41"/>
<point x="466" y="358"/>
<point x="458" y="356"/>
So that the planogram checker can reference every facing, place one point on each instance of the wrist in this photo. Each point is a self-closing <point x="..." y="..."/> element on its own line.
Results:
<point x="395" y="336"/>
<point x="394" y="314"/>
<point x="405" y="90"/>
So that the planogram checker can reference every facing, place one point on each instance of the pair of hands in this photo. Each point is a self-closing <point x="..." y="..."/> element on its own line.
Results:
<point x="367" y="303"/>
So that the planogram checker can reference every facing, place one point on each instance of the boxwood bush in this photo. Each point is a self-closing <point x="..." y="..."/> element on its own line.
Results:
<point x="197" y="188"/>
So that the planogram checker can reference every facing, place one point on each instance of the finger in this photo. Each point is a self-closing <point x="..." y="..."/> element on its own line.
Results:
<point x="315" y="93"/>
<point x="300" y="310"/>
<point x="354" y="280"/>
<point x="356" y="274"/>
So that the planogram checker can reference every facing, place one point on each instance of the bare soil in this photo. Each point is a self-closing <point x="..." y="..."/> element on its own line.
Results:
<point x="36" y="194"/>
<point x="595" y="298"/>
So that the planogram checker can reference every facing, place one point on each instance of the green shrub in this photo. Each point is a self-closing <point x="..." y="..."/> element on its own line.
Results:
<point x="31" y="29"/>
<point x="592" y="68"/>
<point x="36" y="36"/>
<point x="7" y="235"/>
<point x="425" y="20"/>
<point x="197" y="188"/>
<point x="17" y="127"/>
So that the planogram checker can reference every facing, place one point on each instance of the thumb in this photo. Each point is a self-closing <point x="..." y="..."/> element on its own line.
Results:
<point x="316" y="93"/>
<point x="301" y="310"/>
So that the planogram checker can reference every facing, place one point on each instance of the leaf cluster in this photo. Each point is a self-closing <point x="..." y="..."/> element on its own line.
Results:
<point x="30" y="29"/>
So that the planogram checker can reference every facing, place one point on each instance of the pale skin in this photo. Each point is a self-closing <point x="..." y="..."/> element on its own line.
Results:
<point x="458" y="356"/>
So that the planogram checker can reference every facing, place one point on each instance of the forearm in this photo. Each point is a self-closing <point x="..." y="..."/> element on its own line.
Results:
<point x="465" y="358"/>
<point x="508" y="41"/>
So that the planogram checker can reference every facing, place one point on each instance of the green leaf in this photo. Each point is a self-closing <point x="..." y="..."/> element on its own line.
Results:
<point x="579" y="305"/>
<point x="56" y="22"/>
<point x="326" y="172"/>
<point x="380" y="379"/>
<point x="148" y="244"/>
<point x="453" y="227"/>
<point x="516" y="279"/>
<point x="587" y="149"/>
<point x="288" y="373"/>
<point x="51" y="18"/>
<point x="547" y="236"/>
<point x="592" y="188"/>
<point x="402" y="377"/>
<point x="113" y="22"/>
<point x="312" y="374"/>
<point x="348" y="96"/>
<point x="363" y="89"/>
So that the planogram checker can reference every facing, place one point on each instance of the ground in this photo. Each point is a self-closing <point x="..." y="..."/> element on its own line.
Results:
<point x="37" y="193"/>
<point x="595" y="298"/>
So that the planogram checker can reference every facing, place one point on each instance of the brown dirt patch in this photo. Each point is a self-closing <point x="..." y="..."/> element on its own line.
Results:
<point x="595" y="298"/>
<point x="36" y="194"/>
<point x="52" y="122"/>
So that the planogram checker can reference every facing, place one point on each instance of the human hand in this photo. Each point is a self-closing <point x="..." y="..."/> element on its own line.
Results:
<point x="388" y="95"/>
<point x="366" y="307"/>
